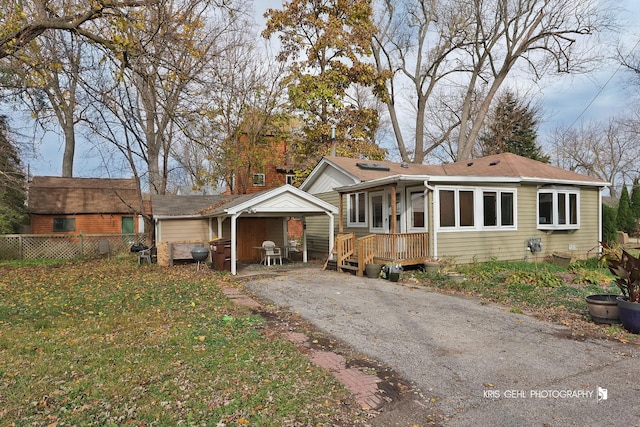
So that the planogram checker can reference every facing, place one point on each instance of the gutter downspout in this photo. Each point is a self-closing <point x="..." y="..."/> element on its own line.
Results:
<point x="428" y="188"/>
<point x="600" y="218"/>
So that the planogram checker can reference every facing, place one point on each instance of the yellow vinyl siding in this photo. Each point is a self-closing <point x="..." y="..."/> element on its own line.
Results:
<point x="185" y="230"/>
<point x="480" y="246"/>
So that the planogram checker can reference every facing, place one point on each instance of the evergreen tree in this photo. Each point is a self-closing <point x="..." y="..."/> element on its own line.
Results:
<point x="635" y="203"/>
<point x="12" y="184"/>
<point x="609" y="224"/>
<point x="512" y="129"/>
<point x="626" y="222"/>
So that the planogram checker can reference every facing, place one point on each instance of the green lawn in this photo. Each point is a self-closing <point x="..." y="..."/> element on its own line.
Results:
<point x="113" y="343"/>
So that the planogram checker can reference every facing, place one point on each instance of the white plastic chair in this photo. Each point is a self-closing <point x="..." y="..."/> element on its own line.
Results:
<point x="271" y="251"/>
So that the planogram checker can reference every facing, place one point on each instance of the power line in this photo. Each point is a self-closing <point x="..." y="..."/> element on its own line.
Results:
<point x="584" y="110"/>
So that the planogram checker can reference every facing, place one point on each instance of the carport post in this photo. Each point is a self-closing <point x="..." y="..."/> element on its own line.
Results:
<point x="331" y="232"/>
<point x="234" y="236"/>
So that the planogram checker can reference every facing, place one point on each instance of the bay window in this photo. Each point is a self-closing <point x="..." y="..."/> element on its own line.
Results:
<point x="558" y="209"/>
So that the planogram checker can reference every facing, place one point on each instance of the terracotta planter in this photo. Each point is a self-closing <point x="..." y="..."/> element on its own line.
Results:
<point x="603" y="308"/>
<point x="629" y="315"/>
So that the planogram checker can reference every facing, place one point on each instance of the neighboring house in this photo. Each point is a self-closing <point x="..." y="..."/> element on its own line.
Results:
<point x="84" y="205"/>
<point x="502" y="207"/>
<point x="274" y="170"/>
<point x="271" y="173"/>
<point x="246" y="220"/>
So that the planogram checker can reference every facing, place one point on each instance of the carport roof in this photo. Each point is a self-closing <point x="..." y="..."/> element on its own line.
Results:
<point x="170" y="205"/>
<point x="281" y="200"/>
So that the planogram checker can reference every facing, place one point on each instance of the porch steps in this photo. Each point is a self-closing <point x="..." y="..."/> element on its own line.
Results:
<point x="349" y="267"/>
<point x="350" y="264"/>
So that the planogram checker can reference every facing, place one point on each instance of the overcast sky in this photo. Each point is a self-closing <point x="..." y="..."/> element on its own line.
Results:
<point x="568" y="100"/>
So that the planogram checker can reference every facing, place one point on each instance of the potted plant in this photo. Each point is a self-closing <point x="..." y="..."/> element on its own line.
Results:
<point x="372" y="271"/>
<point x="603" y="308"/>
<point x="432" y="266"/>
<point x="447" y="267"/>
<point x="391" y="271"/>
<point x="626" y="270"/>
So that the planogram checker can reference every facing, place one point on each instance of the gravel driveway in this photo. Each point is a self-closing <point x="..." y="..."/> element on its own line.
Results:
<point x="482" y="364"/>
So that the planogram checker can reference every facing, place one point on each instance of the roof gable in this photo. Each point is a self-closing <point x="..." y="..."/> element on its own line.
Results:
<point x="286" y="198"/>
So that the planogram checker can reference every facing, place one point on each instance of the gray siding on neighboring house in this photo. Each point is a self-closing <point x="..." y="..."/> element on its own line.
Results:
<point x="470" y="246"/>
<point x="317" y="229"/>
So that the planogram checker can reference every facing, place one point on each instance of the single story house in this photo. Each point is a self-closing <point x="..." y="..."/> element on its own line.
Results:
<point x="60" y="205"/>
<point x="246" y="220"/>
<point x="502" y="206"/>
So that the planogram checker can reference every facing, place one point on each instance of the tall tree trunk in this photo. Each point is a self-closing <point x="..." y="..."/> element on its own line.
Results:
<point x="69" y="143"/>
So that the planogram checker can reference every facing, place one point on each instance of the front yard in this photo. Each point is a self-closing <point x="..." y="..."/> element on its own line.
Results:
<point x="113" y="343"/>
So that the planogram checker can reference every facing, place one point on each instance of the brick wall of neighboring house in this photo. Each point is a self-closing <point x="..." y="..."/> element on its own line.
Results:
<point x="85" y="223"/>
<point x="295" y="227"/>
<point x="274" y="175"/>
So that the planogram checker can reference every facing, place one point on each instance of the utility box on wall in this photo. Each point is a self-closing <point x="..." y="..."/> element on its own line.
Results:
<point x="534" y="244"/>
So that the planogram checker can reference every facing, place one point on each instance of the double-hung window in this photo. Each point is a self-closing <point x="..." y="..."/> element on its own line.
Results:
<point x="497" y="208"/>
<point x="417" y="219"/>
<point x="357" y="210"/>
<point x="457" y="208"/>
<point x="558" y="209"/>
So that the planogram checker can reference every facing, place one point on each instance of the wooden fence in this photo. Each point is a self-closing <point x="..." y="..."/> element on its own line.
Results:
<point x="64" y="246"/>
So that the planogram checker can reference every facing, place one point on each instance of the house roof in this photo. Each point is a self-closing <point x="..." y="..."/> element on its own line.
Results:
<point x="368" y="170"/>
<point x="58" y="195"/>
<point x="512" y="165"/>
<point x="504" y="167"/>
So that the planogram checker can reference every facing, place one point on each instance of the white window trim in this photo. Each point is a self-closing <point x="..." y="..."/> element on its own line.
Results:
<point x="499" y="192"/>
<point x="409" y="209"/>
<point x="384" y="214"/>
<point x="478" y="212"/>
<point x="357" y="224"/>
<point x="555" y="191"/>
<point x="264" y="180"/>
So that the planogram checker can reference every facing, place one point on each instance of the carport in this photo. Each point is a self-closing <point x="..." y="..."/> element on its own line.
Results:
<point x="242" y="218"/>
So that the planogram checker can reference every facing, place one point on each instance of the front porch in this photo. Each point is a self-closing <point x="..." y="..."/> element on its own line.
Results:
<point x="352" y="254"/>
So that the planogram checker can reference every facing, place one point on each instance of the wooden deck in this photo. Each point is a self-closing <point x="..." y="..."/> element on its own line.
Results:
<point x="400" y="248"/>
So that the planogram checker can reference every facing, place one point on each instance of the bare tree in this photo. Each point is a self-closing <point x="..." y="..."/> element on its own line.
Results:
<point x="47" y="77"/>
<point x="145" y="106"/>
<point x="455" y="55"/>
<point x="242" y="119"/>
<point x="607" y="151"/>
